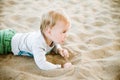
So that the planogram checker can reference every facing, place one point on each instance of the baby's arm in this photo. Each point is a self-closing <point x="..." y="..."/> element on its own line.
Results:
<point x="56" y="48"/>
<point x="40" y="60"/>
<point x="63" y="52"/>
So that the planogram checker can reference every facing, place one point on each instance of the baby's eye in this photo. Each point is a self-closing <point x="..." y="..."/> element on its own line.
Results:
<point x="64" y="31"/>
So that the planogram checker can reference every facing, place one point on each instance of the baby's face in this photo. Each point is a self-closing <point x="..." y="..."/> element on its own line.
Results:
<point x="59" y="32"/>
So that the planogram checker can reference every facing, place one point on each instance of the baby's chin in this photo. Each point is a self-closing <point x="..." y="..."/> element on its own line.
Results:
<point x="61" y="42"/>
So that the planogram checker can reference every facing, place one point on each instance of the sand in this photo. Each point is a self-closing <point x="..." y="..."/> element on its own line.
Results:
<point x="93" y="40"/>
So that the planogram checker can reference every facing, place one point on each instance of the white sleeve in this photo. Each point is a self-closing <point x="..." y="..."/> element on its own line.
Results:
<point x="40" y="60"/>
<point x="58" y="46"/>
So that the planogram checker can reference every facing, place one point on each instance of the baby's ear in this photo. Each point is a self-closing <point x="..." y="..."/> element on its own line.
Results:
<point x="48" y="30"/>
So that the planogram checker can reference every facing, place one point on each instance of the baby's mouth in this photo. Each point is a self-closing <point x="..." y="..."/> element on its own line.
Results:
<point x="62" y="41"/>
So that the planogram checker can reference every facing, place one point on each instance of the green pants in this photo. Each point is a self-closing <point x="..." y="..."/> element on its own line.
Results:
<point x="5" y="40"/>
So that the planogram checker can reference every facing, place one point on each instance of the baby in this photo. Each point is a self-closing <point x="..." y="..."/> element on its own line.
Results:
<point x="52" y="33"/>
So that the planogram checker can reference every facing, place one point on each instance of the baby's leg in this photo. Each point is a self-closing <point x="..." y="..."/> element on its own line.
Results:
<point x="5" y="40"/>
<point x="1" y="41"/>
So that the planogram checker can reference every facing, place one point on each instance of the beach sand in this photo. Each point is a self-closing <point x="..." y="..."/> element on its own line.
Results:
<point x="93" y="40"/>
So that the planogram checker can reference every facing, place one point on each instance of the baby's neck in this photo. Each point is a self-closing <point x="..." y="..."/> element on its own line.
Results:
<point x="48" y="41"/>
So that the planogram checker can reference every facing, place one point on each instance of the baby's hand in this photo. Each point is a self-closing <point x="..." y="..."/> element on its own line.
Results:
<point x="64" y="53"/>
<point x="67" y="65"/>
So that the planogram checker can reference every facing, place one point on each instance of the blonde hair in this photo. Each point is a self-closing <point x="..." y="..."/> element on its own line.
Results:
<point x="50" y="18"/>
